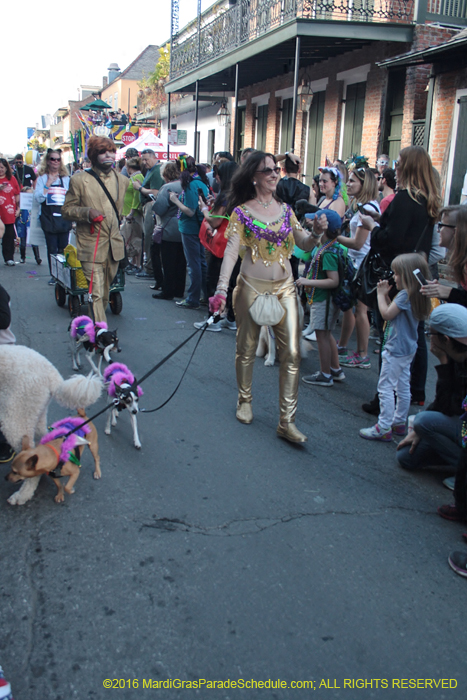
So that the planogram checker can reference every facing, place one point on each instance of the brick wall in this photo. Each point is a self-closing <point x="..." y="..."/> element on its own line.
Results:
<point x="444" y="102"/>
<point x="415" y="96"/>
<point x="333" y="110"/>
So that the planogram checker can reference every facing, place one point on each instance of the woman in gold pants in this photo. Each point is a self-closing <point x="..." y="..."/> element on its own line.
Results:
<point x="266" y="229"/>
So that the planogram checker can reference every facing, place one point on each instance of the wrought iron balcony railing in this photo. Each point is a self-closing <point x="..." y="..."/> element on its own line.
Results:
<point x="250" y="19"/>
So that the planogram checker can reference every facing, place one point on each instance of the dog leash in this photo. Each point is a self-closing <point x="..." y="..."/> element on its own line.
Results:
<point x="153" y="410"/>
<point x="97" y="220"/>
<point x="208" y="322"/>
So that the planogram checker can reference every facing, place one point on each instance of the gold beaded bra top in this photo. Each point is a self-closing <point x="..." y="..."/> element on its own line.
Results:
<point x="271" y="242"/>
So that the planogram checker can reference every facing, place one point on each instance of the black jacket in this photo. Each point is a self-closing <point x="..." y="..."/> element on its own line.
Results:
<point x="401" y="228"/>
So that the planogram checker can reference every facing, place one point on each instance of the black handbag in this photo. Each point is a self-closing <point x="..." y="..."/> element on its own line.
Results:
<point x="372" y="269"/>
<point x="51" y="218"/>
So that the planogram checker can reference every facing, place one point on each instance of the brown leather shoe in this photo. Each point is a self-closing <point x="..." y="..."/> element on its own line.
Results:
<point x="244" y="413"/>
<point x="290" y="432"/>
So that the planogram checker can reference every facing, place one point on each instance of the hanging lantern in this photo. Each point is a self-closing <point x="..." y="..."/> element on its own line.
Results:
<point x="223" y="115"/>
<point x="148" y="90"/>
<point x="140" y="94"/>
<point x="305" y="95"/>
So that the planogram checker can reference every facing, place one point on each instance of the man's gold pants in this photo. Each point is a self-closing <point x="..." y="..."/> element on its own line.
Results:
<point x="104" y="274"/>
<point x="287" y="334"/>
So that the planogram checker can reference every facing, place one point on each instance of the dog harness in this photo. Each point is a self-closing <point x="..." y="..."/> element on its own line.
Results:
<point x="57" y="472"/>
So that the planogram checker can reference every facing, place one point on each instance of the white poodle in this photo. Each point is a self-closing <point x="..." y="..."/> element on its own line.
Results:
<point x="28" y="382"/>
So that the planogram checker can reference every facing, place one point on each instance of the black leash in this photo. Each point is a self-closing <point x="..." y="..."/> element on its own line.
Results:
<point x="148" y="374"/>
<point x="153" y="410"/>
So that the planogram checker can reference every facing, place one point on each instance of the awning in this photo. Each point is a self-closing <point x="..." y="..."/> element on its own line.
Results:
<point x="454" y="49"/>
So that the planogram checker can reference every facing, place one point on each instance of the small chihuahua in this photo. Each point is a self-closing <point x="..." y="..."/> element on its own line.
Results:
<point x="57" y="455"/>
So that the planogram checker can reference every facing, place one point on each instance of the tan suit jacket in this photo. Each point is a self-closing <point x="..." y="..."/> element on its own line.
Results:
<point x="84" y="194"/>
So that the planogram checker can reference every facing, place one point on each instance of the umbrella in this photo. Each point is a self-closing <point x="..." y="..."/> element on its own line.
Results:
<point x="148" y="140"/>
<point x="97" y="104"/>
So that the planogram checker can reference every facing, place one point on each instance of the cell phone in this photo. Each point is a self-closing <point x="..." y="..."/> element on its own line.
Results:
<point x="153" y="197"/>
<point x="202" y="195"/>
<point x="420" y="277"/>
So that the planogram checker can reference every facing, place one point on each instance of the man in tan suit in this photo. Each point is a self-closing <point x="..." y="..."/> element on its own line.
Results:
<point x="86" y="200"/>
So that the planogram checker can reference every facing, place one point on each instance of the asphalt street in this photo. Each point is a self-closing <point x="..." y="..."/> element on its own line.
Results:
<point x="218" y="551"/>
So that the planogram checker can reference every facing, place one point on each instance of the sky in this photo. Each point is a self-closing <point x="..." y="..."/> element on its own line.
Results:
<point x="52" y="49"/>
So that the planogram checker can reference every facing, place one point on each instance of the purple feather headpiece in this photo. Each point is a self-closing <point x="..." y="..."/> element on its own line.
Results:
<point x="83" y="325"/>
<point x="61" y="428"/>
<point x="117" y="374"/>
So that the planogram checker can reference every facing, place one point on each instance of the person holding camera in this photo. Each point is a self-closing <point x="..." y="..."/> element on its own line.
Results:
<point x="194" y="184"/>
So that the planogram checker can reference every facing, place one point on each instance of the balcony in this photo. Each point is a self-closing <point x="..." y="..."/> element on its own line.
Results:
<point x="251" y="27"/>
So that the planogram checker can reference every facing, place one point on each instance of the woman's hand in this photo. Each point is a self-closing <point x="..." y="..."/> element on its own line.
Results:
<point x="202" y="205"/>
<point x="173" y="196"/>
<point x="368" y="221"/>
<point x="217" y="303"/>
<point x="300" y="281"/>
<point x="411" y="439"/>
<point x="384" y="287"/>
<point x="320" y="224"/>
<point x="51" y="179"/>
<point x="434" y="289"/>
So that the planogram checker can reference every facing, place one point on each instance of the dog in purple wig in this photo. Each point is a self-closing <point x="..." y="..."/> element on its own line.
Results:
<point x="123" y="392"/>
<point x="95" y="338"/>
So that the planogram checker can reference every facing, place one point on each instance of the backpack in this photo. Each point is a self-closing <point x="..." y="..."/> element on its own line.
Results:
<point x="343" y="295"/>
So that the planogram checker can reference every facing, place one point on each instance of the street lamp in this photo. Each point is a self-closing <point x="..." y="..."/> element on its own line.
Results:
<point x="223" y="115"/>
<point x="305" y="94"/>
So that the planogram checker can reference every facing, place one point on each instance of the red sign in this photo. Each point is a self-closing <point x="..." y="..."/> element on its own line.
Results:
<point x="128" y="137"/>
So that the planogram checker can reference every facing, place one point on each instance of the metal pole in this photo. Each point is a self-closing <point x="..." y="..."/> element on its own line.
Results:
<point x="295" y="90"/>
<point x="168" y="125"/>
<point x="235" y="119"/>
<point x="129" y="102"/>
<point x="195" y="149"/>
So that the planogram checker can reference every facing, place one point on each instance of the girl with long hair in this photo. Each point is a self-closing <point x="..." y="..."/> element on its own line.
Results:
<point x="363" y="189"/>
<point x="9" y="210"/>
<point x="267" y="230"/>
<point x="193" y="181"/>
<point x="52" y="184"/>
<point x="215" y="218"/>
<point x="402" y="316"/>
<point x="330" y="185"/>
<point x="453" y="237"/>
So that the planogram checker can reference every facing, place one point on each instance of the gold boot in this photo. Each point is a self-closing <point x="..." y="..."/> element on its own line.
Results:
<point x="290" y="432"/>
<point x="244" y="412"/>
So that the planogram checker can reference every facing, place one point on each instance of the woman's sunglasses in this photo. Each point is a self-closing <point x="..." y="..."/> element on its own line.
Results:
<point x="268" y="171"/>
<point x="57" y="160"/>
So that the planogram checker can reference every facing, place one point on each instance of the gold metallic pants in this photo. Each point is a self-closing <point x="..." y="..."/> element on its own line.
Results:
<point x="104" y="274"/>
<point x="287" y="334"/>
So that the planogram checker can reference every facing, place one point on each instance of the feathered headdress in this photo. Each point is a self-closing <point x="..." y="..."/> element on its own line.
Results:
<point x="83" y="325"/>
<point x="117" y="374"/>
<point x="356" y="163"/>
<point x="61" y="428"/>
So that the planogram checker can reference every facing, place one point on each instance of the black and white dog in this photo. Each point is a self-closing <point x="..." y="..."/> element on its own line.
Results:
<point x="123" y="392"/>
<point x="95" y="338"/>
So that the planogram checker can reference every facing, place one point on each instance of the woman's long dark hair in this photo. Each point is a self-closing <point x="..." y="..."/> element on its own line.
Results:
<point x="6" y="165"/>
<point x="242" y="188"/>
<point x="191" y="168"/>
<point x="225" y="172"/>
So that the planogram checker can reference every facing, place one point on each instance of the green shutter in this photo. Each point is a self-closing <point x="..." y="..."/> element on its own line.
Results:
<point x="315" y="136"/>
<point x="353" y="122"/>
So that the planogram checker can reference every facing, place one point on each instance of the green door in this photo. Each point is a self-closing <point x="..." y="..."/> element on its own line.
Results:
<point x="353" y="122"/>
<point x="261" y="127"/>
<point x="460" y="159"/>
<point x="286" y="128"/>
<point x="315" y="136"/>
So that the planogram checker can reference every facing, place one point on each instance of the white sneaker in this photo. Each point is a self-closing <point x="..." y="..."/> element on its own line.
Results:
<point x="11" y="263"/>
<point x="214" y="327"/>
<point x="311" y="336"/>
<point x="225" y="323"/>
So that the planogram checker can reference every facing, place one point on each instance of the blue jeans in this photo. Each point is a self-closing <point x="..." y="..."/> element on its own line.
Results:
<point x="196" y="264"/>
<point x="440" y="442"/>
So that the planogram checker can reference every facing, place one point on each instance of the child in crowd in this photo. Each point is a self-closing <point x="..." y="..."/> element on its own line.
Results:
<point x="402" y="316"/>
<point x="322" y="278"/>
